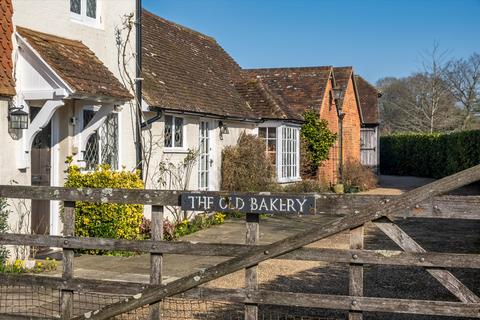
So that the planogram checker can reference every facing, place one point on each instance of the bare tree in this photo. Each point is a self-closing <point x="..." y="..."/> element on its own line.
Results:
<point x="421" y="102"/>
<point x="463" y="79"/>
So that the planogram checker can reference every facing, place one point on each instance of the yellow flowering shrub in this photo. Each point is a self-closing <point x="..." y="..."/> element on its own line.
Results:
<point x="106" y="220"/>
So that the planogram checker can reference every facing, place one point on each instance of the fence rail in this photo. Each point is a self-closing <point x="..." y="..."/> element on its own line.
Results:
<point x="352" y="211"/>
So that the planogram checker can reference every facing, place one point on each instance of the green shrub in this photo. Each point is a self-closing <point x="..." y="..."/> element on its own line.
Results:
<point x="106" y="220"/>
<point x="4" y="212"/>
<point x="316" y="141"/>
<point x="245" y="167"/>
<point x="432" y="155"/>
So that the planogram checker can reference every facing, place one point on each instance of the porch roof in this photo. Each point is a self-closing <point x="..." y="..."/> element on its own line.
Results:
<point x="76" y="65"/>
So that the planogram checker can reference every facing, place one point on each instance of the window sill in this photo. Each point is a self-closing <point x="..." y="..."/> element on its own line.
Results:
<point x="175" y="150"/>
<point x="289" y="180"/>
<point x="92" y="23"/>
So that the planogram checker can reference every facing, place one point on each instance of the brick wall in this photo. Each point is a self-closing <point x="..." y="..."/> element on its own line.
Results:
<point x="328" y="171"/>
<point x="351" y="126"/>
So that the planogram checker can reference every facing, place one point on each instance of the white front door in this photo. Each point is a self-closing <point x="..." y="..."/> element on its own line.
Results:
<point x="205" y="159"/>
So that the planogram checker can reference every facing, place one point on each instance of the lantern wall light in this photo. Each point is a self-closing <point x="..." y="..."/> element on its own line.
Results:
<point x="17" y="117"/>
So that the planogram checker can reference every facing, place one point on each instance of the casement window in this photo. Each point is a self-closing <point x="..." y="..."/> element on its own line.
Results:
<point x="102" y="146"/>
<point x="85" y="11"/>
<point x="174" y="132"/>
<point x="282" y="145"/>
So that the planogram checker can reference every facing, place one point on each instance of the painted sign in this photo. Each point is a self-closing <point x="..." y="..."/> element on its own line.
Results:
<point x="251" y="204"/>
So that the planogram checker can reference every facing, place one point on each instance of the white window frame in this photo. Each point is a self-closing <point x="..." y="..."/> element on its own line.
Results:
<point x="83" y="18"/>
<point x="280" y="145"/>
<point x="174" y="149"/>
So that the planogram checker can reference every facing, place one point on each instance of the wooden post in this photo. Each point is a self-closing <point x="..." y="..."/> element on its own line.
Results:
<point x="251" y="281"/>
<point x="356" y="272"/>
<point x="156" y="259"/>
<point x="66" y="304"/>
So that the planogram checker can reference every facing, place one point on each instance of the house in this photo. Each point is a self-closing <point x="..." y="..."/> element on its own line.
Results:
<point x="61" y="96"/>
<point x="330" y="91"/>
<point x="369" y="133"/>
<point x="200" y="100"/>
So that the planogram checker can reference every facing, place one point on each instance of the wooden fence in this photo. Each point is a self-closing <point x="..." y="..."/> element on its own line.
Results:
<point x="352" y="211"/>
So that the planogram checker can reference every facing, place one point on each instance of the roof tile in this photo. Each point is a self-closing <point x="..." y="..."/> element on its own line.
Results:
<point x="7" y="84"/>
<point x="368" y="100"/>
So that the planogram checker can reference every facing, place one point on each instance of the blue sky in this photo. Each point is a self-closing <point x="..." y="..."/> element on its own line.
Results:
<point x="378" y="37"/>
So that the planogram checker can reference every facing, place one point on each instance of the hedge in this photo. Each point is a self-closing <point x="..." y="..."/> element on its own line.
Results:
<point x="434" y="155"/>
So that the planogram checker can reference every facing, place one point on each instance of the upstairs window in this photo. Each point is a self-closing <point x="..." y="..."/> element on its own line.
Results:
<point x="173" y="132"/>
<point x="85" y="11"/>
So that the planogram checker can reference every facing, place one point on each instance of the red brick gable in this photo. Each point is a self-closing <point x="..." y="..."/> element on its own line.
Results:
<point x="7" y="85"/>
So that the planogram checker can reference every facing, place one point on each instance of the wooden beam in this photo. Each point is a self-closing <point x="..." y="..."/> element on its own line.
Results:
<point x="458" y="207"/>
<point x="251" y="282"/>
<point x="445" y="277"/>
<point x="357" y="218"/>
<point x="66" y="297"/>
<point x="156" y="259"/>
<point x="355" y="286"/>
<point x="378" y="257"/>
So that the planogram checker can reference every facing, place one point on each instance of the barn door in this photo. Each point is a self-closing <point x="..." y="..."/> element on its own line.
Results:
<point x="40" y="171"/>
<point x="368" y="147"/>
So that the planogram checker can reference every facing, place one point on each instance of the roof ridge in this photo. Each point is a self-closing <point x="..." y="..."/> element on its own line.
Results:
<point x="49" y="36"/>
<point x="184" y="28"/>
<point x="288" y="68"/>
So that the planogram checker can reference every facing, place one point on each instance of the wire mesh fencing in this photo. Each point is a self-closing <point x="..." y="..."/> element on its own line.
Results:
<point x="43" y="302"/>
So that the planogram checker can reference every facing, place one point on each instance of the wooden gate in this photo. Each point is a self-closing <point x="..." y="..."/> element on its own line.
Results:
<point x="353" y="212"/>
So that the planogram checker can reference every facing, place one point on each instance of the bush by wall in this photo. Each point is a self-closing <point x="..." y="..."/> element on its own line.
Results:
<point x="245" y="167"/>
<point x="357" y="177"/>
<point x="106" y="220"/>
<point x="429" y="155"/>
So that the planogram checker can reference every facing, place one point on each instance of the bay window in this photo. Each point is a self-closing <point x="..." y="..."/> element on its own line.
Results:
<point x="282" y="145"/>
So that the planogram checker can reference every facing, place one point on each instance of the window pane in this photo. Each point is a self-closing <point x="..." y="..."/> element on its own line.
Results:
<point x="75" y="6"/>
<point x="272" y="133"/>
<point x="168" y="131"/>
<point x="178" y="132"/>
<point x="92" y="9"/>
<point x="262" y="132"/>
<point x="91" y="155"/>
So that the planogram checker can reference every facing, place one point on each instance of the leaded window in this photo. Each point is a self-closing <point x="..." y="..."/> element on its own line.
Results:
<point x="91" y="155"/>
<point x="76" y="6"/>
<point x="92" y="9"/>
<point x="109" y="141"/>
<point x="102" y="146"/>
<point x="173" y="134"/>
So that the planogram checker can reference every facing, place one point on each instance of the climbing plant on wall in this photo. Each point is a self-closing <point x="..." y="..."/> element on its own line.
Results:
<point x="316" y="137"/>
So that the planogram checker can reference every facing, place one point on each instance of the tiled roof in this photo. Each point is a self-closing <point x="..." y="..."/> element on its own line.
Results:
<point x="300" y="88"/>
<point x="76" y="64"/>
<point x="368" y="100"/>
<point x="266" y="104"/>
<point x="7" y="85"/>
<point x="342" y="76"/>
<point x="188" y="71"/>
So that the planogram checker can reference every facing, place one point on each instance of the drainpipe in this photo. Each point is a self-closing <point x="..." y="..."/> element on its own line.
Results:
<point x="138" y="82"/>
<point x="340" y="144"/>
